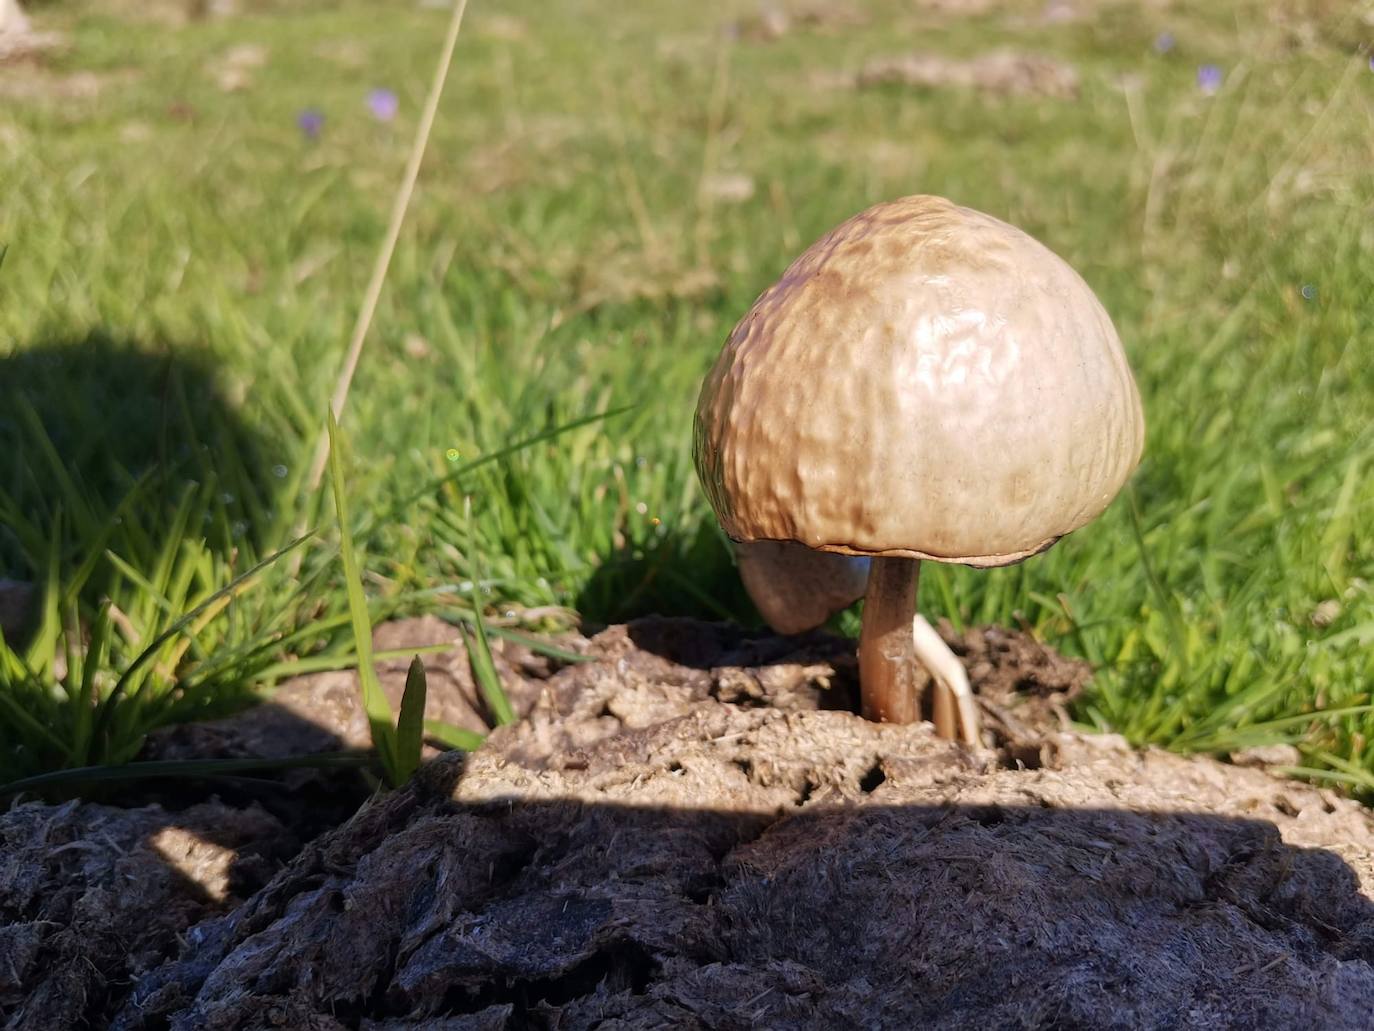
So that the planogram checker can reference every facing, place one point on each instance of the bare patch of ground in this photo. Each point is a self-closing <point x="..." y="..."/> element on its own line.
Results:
<point x="694" y="830"/>
<point x="1000" y="72"/>
<point x="235" y="69"/>
<point x="773" y="21"/>
<point x="1044" y="11"/>
<point x="17" y="46"/>
<point x="36" y="83"/>
<point x="958" y="7"/>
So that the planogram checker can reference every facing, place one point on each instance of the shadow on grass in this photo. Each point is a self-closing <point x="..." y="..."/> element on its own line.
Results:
<point x="689" y="573"/>
<point x="85" y="420"/>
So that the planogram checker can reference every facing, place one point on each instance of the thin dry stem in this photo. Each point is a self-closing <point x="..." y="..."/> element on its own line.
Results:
<point x="954" y="701"/>
<point x="715" y="117"/>
<point x="399" y="208"/>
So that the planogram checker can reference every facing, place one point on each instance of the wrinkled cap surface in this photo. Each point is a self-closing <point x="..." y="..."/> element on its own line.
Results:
<point x="924" y="381"/>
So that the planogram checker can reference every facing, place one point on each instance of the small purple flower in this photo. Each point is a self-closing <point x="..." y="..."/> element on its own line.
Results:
<point x="1209" y="78"/>
<point x="383" y="104"/>
<point x="1164" y="42"/>
<point x="311" y="121"/>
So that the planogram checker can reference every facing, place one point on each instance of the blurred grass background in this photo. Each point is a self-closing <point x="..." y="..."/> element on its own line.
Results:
<point x="607" y="189"/>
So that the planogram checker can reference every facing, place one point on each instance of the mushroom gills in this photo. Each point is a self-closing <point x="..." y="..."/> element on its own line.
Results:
<point x="797" y="589"/>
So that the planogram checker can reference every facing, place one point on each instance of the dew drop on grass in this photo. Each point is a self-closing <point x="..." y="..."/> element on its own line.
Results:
<point x="452" y="454"/>
<point x="1308" y="291"/>
<point x="279" y="471"/>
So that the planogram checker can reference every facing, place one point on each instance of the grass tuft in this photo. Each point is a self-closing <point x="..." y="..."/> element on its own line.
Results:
<point x="179" y="263"/>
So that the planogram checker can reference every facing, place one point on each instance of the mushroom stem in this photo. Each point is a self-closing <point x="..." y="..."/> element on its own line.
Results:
<point x="887" y="654"/>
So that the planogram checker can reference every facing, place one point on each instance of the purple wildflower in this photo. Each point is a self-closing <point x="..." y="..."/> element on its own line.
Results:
<point x="311" y="121"/>
<point x="1164" y="42"/>
<point x="1209" y="78"/>
<point x="383" y="104"/>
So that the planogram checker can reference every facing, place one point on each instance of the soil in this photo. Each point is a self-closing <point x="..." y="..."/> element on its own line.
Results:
<point x="691" y="830"/>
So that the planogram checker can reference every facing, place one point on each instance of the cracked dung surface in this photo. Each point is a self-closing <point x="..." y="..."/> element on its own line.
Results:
<point x="691" y="831"/>
<point x="669" y="843"/>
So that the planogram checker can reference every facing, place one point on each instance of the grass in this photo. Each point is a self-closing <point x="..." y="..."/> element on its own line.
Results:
<point x="183" y="269"/>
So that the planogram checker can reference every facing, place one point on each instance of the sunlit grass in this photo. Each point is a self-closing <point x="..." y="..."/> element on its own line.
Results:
<point x="567" y="256"/>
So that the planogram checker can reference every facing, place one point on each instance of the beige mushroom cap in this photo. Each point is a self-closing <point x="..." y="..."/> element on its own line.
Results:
<point x="924" y="381"/>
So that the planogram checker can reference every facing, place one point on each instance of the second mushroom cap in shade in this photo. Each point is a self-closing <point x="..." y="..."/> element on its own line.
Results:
<point x="924" y="381"/>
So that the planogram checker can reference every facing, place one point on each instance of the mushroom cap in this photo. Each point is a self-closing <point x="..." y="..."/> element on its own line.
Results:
<point x="924" y="381"/>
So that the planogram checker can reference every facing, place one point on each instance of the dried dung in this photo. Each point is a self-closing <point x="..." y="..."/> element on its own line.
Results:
<point x="92" y="896"/>
<point x="684" y="834"/>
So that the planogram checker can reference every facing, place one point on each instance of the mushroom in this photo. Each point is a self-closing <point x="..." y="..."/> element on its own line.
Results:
<point x="12" y="19"/>
<point x="924" y="383"/>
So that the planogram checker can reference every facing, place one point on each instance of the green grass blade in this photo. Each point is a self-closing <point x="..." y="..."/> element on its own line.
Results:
<point x="484" y="673"/>
<point x="539" y="646"/>
<point x="227" y="591"/>
<point x="477" y="463"/>
<point x="457" y="738"/>
<point x="479" y="650"/>
<point x="379" y="715"/>
<point x="18" y="714"/>
<point x="326" y="663"/>
<point x="410" y="724"/>
<point x="94" y="662"/>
